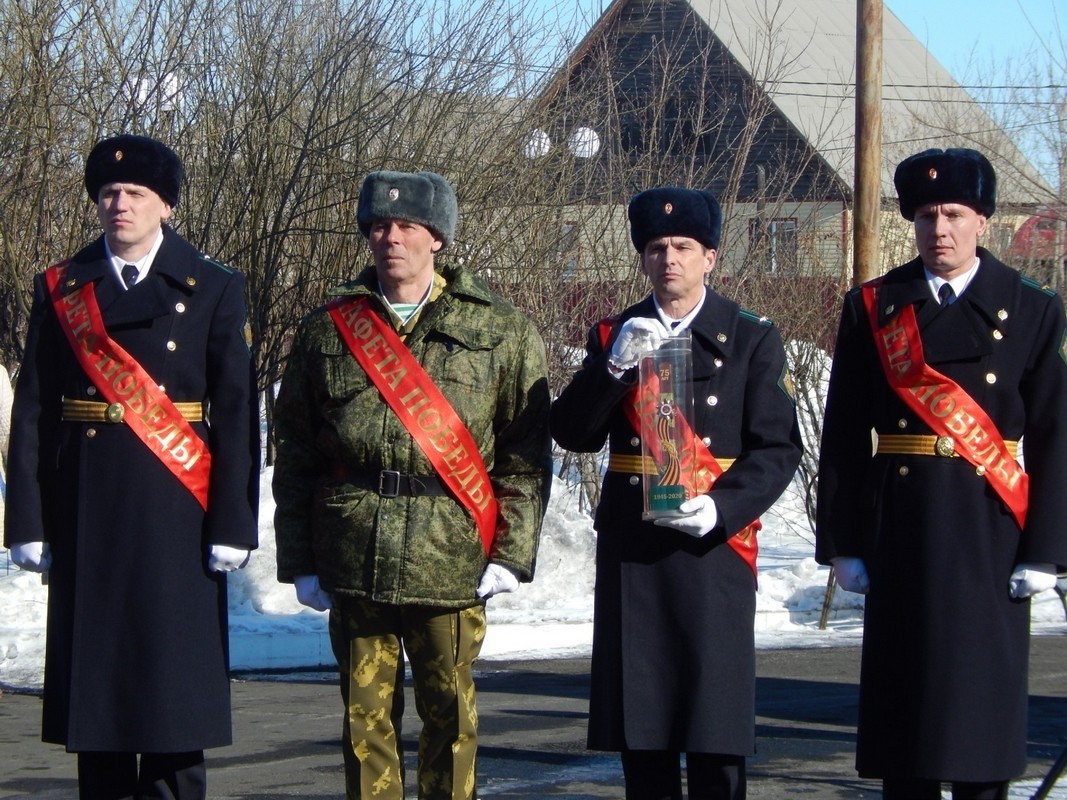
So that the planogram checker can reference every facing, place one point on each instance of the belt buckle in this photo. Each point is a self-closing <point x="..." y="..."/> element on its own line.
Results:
<point x="116" y="412"/>
<point x="389" y="483"/>
<point x="945" y="446"/>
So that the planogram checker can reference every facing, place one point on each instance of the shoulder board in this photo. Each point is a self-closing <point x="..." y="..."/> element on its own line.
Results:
<point x="218" y="264"/>
<point x="1041" y="287"/>
<point x="759" y="320"/>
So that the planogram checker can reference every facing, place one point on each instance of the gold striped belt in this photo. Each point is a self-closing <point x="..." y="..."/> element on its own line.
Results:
<point x="643" y="465"/>
<point x="902" y="444"/>
<point x="94" y="411"/>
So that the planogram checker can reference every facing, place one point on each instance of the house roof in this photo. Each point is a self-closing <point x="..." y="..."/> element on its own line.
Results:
<point x="803" y="53"/>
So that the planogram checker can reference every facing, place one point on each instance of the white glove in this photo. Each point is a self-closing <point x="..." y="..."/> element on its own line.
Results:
<point x="32" y="556"/>
<point x="637" y="337"/>
<point x="310" y="594"/>
<point x="224" y="558"/>
<point x="851" y="574"/>
<point x="1030" y="579"/>
<point x="701" y="516"/>
<point x="497" y="580"/>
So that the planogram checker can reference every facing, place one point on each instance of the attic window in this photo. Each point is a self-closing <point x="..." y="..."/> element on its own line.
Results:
<point x="584" y="142"/>
<point x="538" y="143"/>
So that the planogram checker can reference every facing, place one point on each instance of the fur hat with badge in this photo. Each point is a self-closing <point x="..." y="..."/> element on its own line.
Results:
<point x="134" y="159"/>
<point x="672" y="211"/>
<point x="422" y="197"/>
<point x="956" y="175"/>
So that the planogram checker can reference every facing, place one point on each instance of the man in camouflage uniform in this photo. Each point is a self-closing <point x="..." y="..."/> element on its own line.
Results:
<point x="366" y="526"/>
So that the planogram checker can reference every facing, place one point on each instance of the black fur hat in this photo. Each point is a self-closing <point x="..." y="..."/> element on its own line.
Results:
<point x="671" y="211"/>
<point x="422" y="197"/>
<point x="134" y="159"/>
<point x="956" y="175"/>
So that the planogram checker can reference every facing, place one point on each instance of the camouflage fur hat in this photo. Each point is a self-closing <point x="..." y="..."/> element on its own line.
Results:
<point x="422" y="197"/>
<point x="134" y="159"/>
<point x="956" y="175"/>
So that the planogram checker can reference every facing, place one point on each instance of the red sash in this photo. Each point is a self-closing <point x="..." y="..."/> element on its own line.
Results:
<point x="695" y="467"/>
<point x="424" y="411"/>
<point x="943" y="405"/>
<point x="124" y="383"/>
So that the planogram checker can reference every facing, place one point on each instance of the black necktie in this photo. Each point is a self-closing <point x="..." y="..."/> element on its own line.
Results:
<point x="946" y="294"/>
<point x="129" y="275"/>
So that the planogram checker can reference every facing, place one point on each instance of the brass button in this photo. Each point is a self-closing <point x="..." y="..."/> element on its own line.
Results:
<point x="707" y="441"/>
<point x="634" y="441"/>
<point x="172" y="346"/>
<point x="191" y="281"/>
<point x="90" y="433"/>
<point x="91" y="391"/>
<point x="1002" y="314"/>
<point x="990" y="378"/>
<point x="979" y="471"/>
<point x="903" y="471"/>
<point x="718" y="362"/>
<point x="180" y="308"/>
<point x="902" y="423"/>
<point x="713" y="400"/>
<point x="635" y="479"/>
<point x="721" y="337"/>
<point x="116" y="412"/>
<point x="997" y="335"/>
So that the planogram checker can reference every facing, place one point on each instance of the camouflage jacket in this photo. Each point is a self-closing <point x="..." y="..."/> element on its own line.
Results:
<point x="335" y="434"/>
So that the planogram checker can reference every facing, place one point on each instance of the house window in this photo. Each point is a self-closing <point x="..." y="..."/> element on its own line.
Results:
<point x="773" y="244"/>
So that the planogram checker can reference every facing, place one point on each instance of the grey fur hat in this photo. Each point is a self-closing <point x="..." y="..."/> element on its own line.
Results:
<point x="422" y="197"/>
<point x="957" y="175"/>
<point x="134" y="159"/>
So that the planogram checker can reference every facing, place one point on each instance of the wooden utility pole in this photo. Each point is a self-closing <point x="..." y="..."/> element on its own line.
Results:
<point x="867" y="188"/>
<point x="866" y="254"/>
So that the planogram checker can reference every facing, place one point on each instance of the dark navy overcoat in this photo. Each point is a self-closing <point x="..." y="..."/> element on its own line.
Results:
<point x="943" y="690"/>
<point x="136" y="656"/>
<point x="673" y="645"/>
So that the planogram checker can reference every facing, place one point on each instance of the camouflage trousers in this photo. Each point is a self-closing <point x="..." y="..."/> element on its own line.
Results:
<point x="370" y="641"/>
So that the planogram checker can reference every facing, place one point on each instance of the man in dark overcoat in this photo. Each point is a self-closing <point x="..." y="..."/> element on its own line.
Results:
<point x="673" y="667"/>
<point x="956" y="363"/>
<point x="134" y="483"/>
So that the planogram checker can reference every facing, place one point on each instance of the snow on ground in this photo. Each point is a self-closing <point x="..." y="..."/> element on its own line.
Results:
<point x="549" y="618"/>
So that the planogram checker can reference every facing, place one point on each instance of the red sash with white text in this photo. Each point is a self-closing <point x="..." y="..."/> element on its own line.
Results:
<point x="424" y="411"/>
<point x="696" y="468"/>
<point x="145" y="408"/>
<point x="943" y="405"/>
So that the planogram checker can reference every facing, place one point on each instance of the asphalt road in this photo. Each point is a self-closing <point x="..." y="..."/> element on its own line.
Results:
<point x="533" y="716"/>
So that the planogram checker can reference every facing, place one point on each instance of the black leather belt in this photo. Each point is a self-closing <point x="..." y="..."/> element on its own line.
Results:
<point x="391" y="483"/>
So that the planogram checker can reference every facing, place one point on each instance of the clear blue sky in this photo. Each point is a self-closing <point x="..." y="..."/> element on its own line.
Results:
<point x="992" y="31"/>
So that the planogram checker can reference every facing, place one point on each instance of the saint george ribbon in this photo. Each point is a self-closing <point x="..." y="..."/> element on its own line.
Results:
<point x="943" y="404"/>
<point x="694" y="468"/>
<point x="134" y="395"/>
<point x="422" y="408"/>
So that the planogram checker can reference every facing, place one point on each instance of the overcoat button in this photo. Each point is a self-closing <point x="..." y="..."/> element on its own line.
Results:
<point x="903" y="471"/>
<point x="172" y="346"/>
<point x="990" y="377"/>
<point x="902" y="423"/>
<point x="634" y="480"/>
<point x="634" y="441"/>
<point x="91" y="390"/>
<point x="90" y="433"/>
<point x="713" y="400"/>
